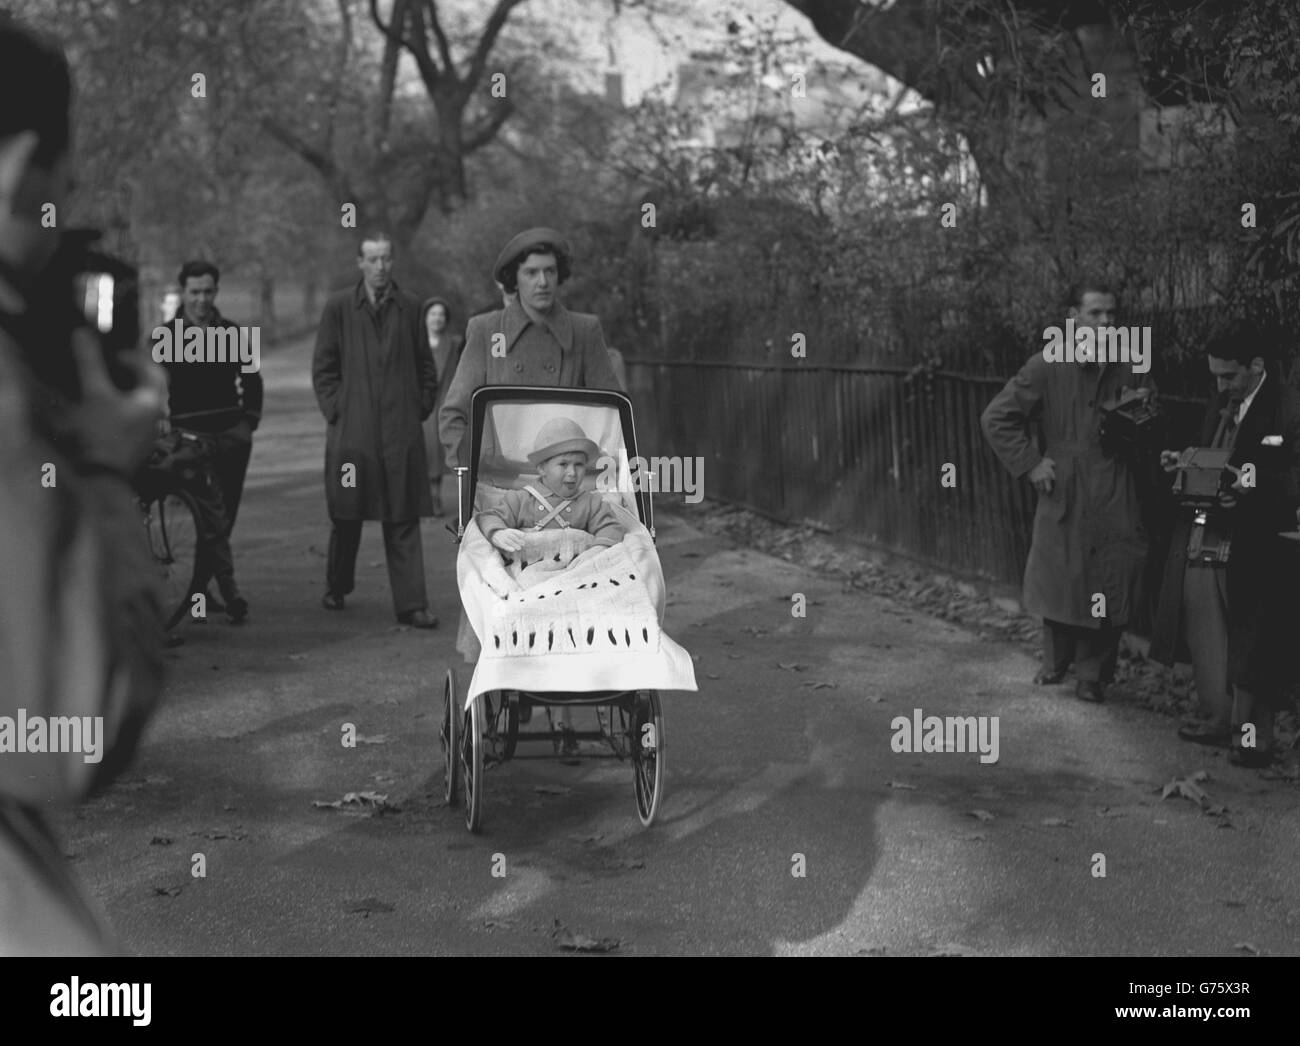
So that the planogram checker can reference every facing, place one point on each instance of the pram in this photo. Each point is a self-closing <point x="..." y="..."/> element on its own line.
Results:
<point x="560" y="630"/>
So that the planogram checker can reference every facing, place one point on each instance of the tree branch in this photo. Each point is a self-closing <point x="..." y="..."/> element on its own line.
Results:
<point x="444" y="48"/>
<point x="486" y="130"/>
<point x="321" y="161"/>
<point x="336" y="89"/>
<point x="491" y="30"/>
<point x="417" y="42"/>
<point x="393" y="36"/>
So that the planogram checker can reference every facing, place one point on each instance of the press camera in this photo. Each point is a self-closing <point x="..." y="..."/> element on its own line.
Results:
<point x="1129" y="418"/>
<point x="81" y="286"/>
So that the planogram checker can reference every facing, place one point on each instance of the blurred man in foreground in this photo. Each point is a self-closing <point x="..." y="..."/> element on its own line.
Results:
<point x="80" y="626"/>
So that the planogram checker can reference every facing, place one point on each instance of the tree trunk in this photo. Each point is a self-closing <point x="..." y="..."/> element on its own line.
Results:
<point x="266" y="307"/>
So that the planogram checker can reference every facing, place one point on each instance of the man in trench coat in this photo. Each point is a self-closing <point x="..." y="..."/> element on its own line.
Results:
<point x="375" y="382"/>
<point x="537" y="340"/>
<point x="1088" y="540"/>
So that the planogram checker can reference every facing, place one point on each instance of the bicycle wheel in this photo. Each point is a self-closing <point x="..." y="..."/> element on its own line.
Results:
<point x="173" y="524"/>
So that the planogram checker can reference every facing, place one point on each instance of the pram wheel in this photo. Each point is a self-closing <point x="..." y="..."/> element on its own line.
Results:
<point x="508" y="723"/>
<point x="447" y="737"/>
<point x="471" y="761"/>
<point x="646" y="740"/>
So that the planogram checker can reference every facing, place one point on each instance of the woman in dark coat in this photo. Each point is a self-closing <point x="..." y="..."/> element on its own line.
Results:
<point x="435" y="322"/>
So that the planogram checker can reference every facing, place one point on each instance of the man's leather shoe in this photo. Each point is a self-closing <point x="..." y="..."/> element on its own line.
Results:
<point x="418" y="619"/>
<point x="1253" y="758"/>
<point x="237" y="610"/>
<point x="1206" y="734"/>
<point x="332" y="602"/>
<point x="1045" y="678"/>
<point x="1088" y="690"/>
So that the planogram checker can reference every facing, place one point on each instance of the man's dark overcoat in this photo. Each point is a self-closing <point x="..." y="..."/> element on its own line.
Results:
<point x="375" y="382"/>
<point x="1088" y="533"/>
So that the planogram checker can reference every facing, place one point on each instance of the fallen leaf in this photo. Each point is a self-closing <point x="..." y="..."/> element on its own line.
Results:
<point x="1246" y="946"/>
<point x="356" y="801"/>
<point x="953" y="949"/>
<point x="900" y="784"/>
<point x="580" y="942"/>
<point x="1185" y="788"/>
<point x="371" y="904"/>
<point x="982" y="815"/>
<point x="221" y="833"/>
<point x="1055" y="822"/>
<point x="819" y="685"/>
<point x="169" y="891"/>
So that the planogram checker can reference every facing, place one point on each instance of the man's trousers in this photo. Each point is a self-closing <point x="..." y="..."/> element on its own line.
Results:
<point x="1205" y="626"/>
<point x="1094" y="651"/>
<point x="404" y="552"/>
<point x="231" y="466"/>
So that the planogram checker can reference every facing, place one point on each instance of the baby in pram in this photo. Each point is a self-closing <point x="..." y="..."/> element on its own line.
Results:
<point x="562" y="453"/>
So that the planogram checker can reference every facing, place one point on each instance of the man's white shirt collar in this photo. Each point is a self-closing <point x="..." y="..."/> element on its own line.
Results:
<point x="1245" y="404"/>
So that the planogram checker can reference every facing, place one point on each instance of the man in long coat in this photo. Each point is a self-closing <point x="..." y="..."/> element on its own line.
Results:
<point x="375" y="382"/>
<point x="537" y="340"/>
<point x="1088" y="539"/>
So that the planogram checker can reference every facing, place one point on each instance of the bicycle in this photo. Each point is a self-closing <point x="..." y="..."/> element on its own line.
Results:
<point x="172" y="516"/>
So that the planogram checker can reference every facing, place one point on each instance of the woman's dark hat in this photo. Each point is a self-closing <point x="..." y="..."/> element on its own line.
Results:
<point x="521" y="244"/>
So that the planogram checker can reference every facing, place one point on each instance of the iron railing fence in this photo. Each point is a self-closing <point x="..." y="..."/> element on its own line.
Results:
<point x="859" y="449"/>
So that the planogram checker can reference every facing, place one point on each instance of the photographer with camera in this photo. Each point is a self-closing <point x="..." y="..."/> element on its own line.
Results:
<point x="1231" y="588"/>
<point x="80" y="628"/>
<point x="1089" y="538"/>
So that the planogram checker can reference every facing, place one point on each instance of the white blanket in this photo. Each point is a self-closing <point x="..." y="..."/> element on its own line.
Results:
<point x="595" y="627"/>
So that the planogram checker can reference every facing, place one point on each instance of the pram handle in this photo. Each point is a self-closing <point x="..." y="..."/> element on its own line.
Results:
<point x="459" y="530"/>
